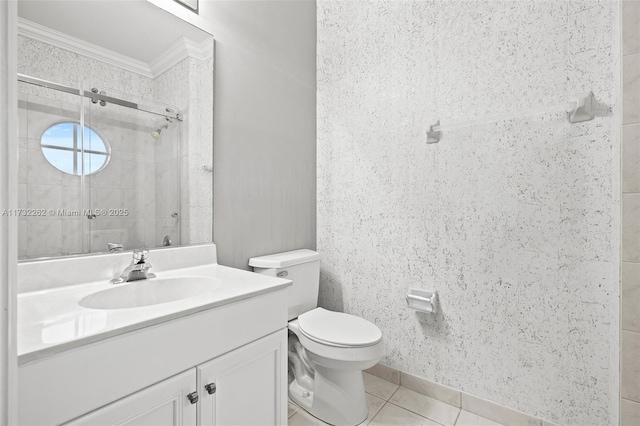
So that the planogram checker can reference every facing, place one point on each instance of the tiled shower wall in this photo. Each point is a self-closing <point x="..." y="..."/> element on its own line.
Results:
<point x="134" y="151"/>
<point x="515" y="222"/>
<point x="189" y="85"/>
<point x="630" y="297"/>
<point x="198" y="156"/>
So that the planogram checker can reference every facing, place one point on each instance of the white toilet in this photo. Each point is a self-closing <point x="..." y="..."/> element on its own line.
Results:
<point x="327" y="350"/>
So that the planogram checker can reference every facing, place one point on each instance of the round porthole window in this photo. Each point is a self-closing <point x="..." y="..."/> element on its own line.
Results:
<point x="62" y="146"/>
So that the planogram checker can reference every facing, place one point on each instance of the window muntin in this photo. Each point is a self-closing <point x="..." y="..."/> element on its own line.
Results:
<point x="61" y="145"/>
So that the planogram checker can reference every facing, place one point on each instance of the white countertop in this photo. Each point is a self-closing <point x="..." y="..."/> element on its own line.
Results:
<point x="51" y="321"/>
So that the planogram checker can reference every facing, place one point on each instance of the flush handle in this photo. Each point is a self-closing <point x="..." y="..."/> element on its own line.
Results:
<point x="193" y="397"/>
<point x="210" y="388"/>
<point x="283" y="274"/>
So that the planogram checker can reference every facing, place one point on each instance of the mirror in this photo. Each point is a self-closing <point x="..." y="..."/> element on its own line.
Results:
<point x="115" y="128"/>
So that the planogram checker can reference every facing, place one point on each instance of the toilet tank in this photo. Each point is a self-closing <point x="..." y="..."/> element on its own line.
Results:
<point x="300" y="266"/>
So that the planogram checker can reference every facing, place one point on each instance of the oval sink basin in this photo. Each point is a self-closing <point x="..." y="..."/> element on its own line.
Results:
<point x="149" y="292"/>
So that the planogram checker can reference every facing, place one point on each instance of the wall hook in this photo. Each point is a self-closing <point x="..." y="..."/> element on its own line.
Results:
<point x="582" y="109"/>
<point x="433" y="136"/>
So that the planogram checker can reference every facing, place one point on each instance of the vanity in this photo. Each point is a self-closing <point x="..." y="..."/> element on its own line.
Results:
<point x="200" y="344"/>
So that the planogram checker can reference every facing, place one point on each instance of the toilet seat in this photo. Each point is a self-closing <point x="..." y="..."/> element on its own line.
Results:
<point x="337" y="352"/>
<point x="338" y="329"/>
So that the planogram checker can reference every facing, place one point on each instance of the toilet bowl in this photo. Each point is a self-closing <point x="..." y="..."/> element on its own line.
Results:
<point x="331" y="350"/>
<point x="327" y="350"/>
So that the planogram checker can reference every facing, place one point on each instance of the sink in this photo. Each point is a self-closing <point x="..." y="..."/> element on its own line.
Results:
<point x="150" y="292"/>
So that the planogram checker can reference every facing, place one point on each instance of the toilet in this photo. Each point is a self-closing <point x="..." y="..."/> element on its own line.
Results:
<point x="327" y="350"/>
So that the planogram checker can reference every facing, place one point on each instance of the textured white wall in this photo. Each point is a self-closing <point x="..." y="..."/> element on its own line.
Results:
<point x="514" y="222"/>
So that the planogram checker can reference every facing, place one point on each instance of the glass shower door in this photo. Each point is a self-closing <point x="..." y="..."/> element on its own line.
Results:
<point x="131" y="172"/>
<point x="94" y="170"/>
<point x="49" y="184"/>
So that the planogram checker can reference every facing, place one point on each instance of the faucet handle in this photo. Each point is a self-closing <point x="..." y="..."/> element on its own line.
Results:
<point x="140" y="266"/>
<point x="140" y="255"/>
<point x="114" y="247"/>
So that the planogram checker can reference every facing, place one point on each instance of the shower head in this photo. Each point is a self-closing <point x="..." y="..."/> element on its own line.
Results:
<point x="156" y="133"/>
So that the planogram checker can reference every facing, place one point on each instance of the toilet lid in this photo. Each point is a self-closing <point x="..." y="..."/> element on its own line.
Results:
<point x="338" y="328"/>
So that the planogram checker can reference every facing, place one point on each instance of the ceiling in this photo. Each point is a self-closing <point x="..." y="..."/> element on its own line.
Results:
<point x="134" y="28"/>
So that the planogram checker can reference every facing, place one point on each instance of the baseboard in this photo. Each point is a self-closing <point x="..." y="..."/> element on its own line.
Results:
<point x="474" y="404"/>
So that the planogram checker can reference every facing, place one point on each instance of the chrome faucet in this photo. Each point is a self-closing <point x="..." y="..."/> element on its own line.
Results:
<point x="115" y="247"/>
<point x="138" y="270"/>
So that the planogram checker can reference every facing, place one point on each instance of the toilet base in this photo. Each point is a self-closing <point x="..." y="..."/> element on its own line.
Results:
<point x="338" y="397"/>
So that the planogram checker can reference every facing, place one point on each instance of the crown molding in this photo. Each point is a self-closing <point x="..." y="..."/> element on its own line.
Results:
<point x="63" y="41"/>
<point x="179" y="51"/>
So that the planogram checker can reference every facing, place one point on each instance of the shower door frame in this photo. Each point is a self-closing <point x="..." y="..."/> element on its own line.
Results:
<point x="168" y="112"/>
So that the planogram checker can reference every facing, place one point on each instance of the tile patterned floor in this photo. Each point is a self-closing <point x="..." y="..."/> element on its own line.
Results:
<point x="391" y="405"/>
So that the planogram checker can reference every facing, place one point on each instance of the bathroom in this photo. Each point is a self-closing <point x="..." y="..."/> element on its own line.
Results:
<point x="524" y="223"/>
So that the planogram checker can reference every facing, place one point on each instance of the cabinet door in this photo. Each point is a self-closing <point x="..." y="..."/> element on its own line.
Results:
<point x="163" y="404"/>
<point x="250" y="385"/>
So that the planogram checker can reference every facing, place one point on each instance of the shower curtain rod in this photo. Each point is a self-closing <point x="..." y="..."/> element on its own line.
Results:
<point x="168" y="112"/>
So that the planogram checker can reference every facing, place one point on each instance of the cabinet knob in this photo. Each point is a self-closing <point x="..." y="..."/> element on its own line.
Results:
<point x="210" y="388"/>
<point x="193" y="397"/>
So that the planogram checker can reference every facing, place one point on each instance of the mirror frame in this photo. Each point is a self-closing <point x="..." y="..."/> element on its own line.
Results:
<point x="188" y="4"/>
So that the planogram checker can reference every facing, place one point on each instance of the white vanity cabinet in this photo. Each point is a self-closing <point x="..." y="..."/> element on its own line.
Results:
<point x="243" y="387"/>
<point x="163" y="404"/>
<point x="144" y="376"/>
<point x="246" y="386"/>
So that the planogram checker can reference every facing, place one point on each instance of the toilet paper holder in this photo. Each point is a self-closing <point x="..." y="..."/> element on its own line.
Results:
<point x="422" y="300"/>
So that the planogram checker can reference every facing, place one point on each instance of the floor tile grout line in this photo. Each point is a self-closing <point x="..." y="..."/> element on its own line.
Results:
<point x="379" y="409"/>
<point x="382" y="397"/>
<point x="436" y="400"/>
<point x="378" y="412"/>
<point x="458" y="416"/>
<point x="394" y="392"/>
<point x="377" y="396"/>
<point x="297" y="408"/>
<point x="433" y="398"/>
<point x="388" y="401"/>
<point x="418" y="414"/>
